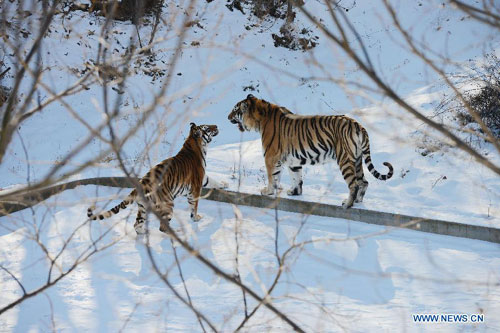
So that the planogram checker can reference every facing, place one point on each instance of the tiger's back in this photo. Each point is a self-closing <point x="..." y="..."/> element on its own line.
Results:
<point x="313" y="139"/>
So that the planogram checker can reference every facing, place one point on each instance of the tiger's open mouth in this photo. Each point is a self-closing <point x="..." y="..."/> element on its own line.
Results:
<point x="240" y="126"/>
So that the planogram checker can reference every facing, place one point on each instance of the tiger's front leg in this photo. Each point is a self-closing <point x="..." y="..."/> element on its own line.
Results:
<point x="273" y="177"/>
<point x="296" y="175"/>
<point x="193" y="198"/>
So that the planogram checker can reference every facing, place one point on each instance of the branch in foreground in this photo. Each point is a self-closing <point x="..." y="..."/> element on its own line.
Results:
<point x="196" y="254"/>
<point x="84" y="256"/>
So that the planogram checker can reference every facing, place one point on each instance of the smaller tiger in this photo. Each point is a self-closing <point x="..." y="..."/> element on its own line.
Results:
<point x="183" y="174"/>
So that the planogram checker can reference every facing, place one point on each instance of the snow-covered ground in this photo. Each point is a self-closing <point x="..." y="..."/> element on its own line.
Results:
<point x="345" y="277"/>
<point x="349" y="276"/>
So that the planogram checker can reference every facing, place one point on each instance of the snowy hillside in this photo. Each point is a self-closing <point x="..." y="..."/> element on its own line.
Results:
<point x="337" y="275"/>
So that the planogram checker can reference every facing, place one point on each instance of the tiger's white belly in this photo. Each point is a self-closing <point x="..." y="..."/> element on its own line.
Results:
<point x="309" y="160"/>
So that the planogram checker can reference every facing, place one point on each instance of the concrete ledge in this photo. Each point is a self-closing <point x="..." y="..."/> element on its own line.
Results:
<point x="31" y="198"/>
<point x="362" y="215"/>
<point x="290" y="205"/>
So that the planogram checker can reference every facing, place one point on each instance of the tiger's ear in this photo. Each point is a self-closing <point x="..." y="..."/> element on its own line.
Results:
<point x="250" y="96"/>
<point x="194" y="131"/>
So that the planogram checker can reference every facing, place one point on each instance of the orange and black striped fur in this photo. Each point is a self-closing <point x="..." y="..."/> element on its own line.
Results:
<point x="294" y="140"/>
<point x="183" y="174"/>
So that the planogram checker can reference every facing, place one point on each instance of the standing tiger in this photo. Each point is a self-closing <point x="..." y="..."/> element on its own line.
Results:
<point x="295" y="140"/>
<point x="183" y="174"/>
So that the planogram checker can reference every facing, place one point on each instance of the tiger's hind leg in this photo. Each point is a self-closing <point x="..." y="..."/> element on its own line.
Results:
<point x="296" y="175"/>
<point x="361" y="180"/>
<point x="140" y="220"/>
<point x="349" y="173"/>
<point x="166" y="212"/>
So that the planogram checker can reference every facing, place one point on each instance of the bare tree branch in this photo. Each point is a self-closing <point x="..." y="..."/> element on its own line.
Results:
<point x="7" y="127"/>
<point x="485" y="15"/>
<point x="459" y="143"/>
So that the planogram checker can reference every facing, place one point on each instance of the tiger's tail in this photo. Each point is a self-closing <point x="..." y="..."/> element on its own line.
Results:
<point x="122" y="205"/>
<point x="368" y="160"/>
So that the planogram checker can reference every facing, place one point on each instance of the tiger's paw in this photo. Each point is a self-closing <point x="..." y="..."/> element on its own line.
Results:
<point x="347" y="203"/>
<point x="164" y="228"/>
<point x="196" y="217"/>
<point x="140" y="228"/>
<point x="90" y="211"/>
<point x="267" y="191"/>
<point x="294" y="191"/>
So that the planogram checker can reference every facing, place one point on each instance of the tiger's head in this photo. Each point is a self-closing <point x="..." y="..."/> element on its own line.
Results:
<point x="247" y="114"/>
<point x="205" y="132"/>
